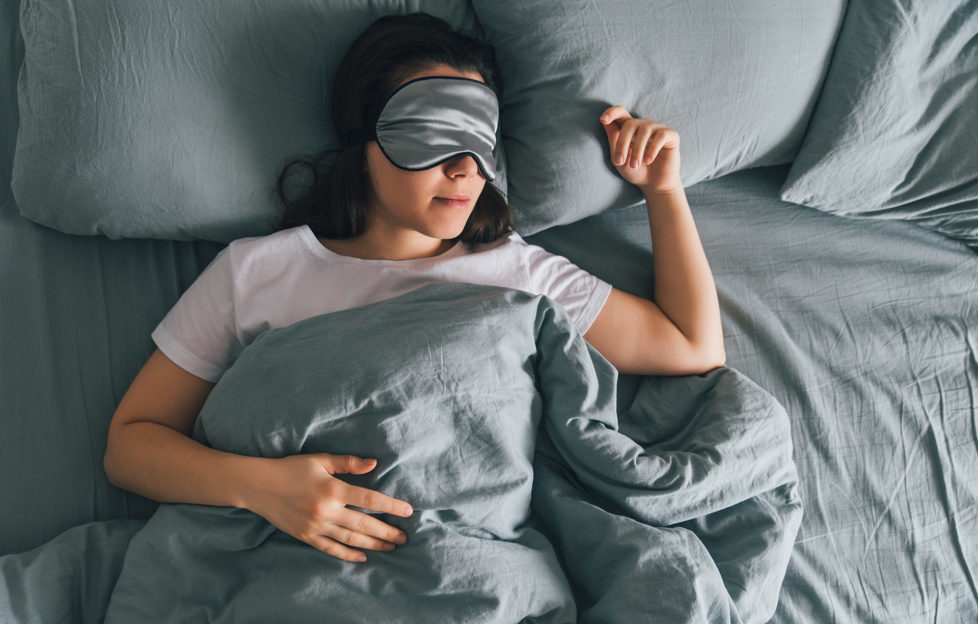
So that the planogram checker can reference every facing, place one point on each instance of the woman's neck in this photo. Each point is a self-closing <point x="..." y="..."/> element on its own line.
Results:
<point x="372" y="247"/>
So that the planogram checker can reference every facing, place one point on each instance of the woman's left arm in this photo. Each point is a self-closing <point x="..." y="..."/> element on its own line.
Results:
<point x="679" y="331"/>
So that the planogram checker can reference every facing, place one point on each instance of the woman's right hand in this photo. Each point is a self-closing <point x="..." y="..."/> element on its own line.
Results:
<point x="299" y="495"/>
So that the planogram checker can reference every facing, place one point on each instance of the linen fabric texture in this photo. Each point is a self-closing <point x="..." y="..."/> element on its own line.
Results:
<point x="262" y="283"/>
<point x="173" y="120"/>
<point x="895" y="131"/>
<point x="491" y="415"/>
<point x="738" y="80"/>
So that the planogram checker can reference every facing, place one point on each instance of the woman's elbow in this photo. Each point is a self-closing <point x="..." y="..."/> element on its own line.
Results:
<point x="714" y="356"/>
<point x="112" y="461"/>
<point x="689" y="361"/>
<point x="704" y="359"/>
<point x="110" y="464"/>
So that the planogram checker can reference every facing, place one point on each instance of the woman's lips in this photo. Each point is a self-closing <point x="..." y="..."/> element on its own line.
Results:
<point x="458" y="201"/>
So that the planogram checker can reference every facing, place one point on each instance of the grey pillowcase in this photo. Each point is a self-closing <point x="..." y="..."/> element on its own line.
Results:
<point x="738" y="80"/>
<point x="141" y="118"/>
<point x="895" y="132"/>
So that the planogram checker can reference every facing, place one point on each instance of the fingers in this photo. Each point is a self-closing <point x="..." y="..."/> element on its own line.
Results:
<point x="641" y="152"/>
<point x="349" y="530"/>
<point x="341" y="541"/>
<point x="661" y="138"/>
<point x="360" y="529"/>
<point x="611" y="120"/>
<point x="623" y="147"/>
<point x="634" y="142"/>
<point x="371" y="500"/>
<point x="614" y="114"/>
<point x="346" y="464"/>
<point x="337" y="530"/>
<point x="332" y="526"/>
<point x="334" y="548"/>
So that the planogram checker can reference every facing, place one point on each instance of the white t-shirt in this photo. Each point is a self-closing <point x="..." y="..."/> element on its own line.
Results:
<point x="272" y="281"/>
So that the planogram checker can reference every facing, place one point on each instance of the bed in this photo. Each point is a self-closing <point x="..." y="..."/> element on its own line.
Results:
<point x="830" y="163"/>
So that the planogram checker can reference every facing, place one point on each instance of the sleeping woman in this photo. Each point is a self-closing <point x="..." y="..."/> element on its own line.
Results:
<point x="406" y="204"/>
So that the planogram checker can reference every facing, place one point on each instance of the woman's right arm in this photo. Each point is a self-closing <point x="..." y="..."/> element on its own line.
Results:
<point x="150" y="452"/>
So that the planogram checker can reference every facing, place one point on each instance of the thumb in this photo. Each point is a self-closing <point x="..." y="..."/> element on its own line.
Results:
<point x="342" y="464"/>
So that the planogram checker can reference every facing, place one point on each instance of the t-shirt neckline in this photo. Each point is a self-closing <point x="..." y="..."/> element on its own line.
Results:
<point x="309" y="237"/>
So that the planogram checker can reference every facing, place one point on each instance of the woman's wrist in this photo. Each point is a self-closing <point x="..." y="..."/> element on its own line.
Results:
<point x="653" y="194"/>
<point x="245" y="480"/>
<point x="664" y="202"/>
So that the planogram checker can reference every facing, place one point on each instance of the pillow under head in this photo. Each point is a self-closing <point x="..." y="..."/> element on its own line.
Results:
<point x="141" y="118"/>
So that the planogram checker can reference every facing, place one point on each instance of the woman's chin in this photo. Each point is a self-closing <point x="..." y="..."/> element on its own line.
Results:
<point x="447" y="230"/>
<point x="448" y="234"/>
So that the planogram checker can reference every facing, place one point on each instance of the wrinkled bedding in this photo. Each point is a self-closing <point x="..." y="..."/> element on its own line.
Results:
<point x="865" y="331"/>
<point x="488" y="413"/>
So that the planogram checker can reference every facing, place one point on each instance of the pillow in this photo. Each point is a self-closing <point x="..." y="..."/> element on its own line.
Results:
<point x="895" y="132"/>
<point x="173" y="119"/>
<point x="738" y="80"/>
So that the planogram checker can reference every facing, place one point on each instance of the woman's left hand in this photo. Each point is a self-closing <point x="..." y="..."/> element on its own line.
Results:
<point x="644" y="152"/>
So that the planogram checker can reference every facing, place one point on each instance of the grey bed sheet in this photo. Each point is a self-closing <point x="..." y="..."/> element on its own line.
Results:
<point x="866" y="331"/>
<point x="75" y="317"/>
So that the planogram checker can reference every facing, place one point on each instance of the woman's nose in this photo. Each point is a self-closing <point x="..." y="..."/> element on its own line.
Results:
<point x="461" y="166"/>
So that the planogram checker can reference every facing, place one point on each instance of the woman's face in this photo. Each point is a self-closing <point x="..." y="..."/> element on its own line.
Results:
<point x="436" y="202"/>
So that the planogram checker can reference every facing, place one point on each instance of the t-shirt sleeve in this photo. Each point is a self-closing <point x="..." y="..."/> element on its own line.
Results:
<point x="580" y="293"/>
<point x="199" y="333"/>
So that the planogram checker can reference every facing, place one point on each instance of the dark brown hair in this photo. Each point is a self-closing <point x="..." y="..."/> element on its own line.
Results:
<point x="329" y="193"/>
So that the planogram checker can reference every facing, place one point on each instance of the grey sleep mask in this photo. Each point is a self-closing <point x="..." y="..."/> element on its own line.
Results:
<point x="435" y="119"/>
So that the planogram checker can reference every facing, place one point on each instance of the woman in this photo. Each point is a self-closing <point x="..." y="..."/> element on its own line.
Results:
<point x="396" y="211"/>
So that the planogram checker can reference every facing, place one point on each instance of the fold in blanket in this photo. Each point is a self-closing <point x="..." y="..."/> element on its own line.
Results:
<point x="490" y="414"/>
